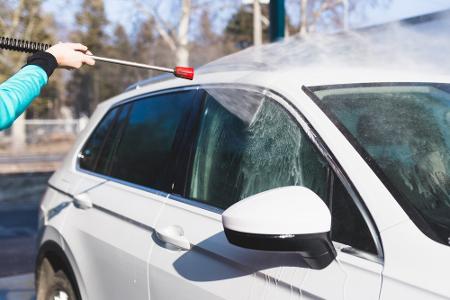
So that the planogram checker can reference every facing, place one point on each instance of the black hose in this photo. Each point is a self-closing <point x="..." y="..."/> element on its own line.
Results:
<point x="22" y="45"/>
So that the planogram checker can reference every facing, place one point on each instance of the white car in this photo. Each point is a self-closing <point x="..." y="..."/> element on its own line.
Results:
<point x="280" y="184"/>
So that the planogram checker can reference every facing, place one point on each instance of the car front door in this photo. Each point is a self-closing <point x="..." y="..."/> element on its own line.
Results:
<point x="125" y="166"/>
<point x="248" y="141"/>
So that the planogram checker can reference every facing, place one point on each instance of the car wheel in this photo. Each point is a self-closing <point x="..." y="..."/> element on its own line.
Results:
<point x="53" y="285"/>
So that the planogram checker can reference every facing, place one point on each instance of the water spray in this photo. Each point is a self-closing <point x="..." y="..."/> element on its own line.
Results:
<point x="32" y="47"/>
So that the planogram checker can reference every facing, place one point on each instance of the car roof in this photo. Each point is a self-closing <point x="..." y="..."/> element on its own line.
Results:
<point x="285" y="79"/>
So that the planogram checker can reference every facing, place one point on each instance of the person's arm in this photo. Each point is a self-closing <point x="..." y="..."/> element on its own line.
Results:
<point x="17" y="93"/>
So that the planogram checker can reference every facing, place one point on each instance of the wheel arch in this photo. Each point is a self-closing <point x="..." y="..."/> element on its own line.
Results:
<point x="59" y="261"/>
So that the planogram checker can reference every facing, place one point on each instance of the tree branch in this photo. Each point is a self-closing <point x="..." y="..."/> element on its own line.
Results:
<point x="161" y="26"/>
<point x="15" y="18"/>
<point x="326" y="5"/>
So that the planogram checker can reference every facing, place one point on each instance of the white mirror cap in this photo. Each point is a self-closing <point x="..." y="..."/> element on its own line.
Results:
<point x="280" y="211"/>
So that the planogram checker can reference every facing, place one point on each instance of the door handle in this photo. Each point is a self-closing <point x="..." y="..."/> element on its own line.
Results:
<point x="174" y="235"/>
<point x="82" y="201"/>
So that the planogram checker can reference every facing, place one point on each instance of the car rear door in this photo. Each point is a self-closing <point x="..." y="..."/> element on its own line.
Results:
<point x="109" y="229"/>
<point x="248" y="141"/>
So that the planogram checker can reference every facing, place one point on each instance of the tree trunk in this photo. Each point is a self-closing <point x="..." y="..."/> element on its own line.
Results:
<point x="304" y="17"/>
<point x="18" y="130"/>
<point x="18" y="134"/>
<point x="345" y="18"/>
<point x="257" y="28"/>
<point x="182" y="51"/>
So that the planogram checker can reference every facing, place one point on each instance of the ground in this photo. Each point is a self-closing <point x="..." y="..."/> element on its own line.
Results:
<point x="23" y="180"/>
<point x="44" y="156"/>
<point x="20" y="194"/>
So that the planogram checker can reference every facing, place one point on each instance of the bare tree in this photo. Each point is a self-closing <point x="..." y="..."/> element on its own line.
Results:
<point x="325" y="14"/>
<point x="21" y="19"/>
<point x="17" y="21"/>
<point x="175" y="34"/>
<point x="175" y="27"/>
<point x="257" y="28"/>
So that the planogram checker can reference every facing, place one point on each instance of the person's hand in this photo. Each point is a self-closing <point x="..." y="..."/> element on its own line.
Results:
<point x="71" y="55"/>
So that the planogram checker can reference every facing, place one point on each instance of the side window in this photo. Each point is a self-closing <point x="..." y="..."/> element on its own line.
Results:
<point x="146" y="147"/>
<point x="247" y="143"/>
<point x="348" y="225"/>
<point x="111" y="141"/>
<point x="91" y="150"/>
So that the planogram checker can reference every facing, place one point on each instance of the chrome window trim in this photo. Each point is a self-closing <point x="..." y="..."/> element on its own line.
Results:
<point x="196" y="203"/>
<point x="123" y="182"/>
<point x="153" y="93"/>
<point x="304" y="124"/>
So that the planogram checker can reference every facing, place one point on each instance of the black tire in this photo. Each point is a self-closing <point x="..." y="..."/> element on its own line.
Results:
<point x="53" y="285"/>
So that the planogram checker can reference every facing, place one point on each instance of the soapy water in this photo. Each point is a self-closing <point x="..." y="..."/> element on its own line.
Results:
<point x="420" y="47"/>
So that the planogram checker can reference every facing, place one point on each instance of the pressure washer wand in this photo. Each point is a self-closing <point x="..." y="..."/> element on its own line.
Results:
<point x="182" y="72"/>
<point x="31" y="47"/>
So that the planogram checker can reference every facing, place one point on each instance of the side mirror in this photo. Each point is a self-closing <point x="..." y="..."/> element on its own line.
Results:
<point x="290" y="218"/>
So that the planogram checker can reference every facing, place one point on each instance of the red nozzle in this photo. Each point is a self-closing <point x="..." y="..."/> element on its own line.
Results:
<point x="184" y="72"/>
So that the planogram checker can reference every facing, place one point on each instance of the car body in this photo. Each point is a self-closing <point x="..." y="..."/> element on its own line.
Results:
<point x="120" y="235"/>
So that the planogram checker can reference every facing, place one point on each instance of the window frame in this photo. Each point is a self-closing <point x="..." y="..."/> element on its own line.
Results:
<point x="320" y="146"/>
<point x="108" y="132"/>
<point x="334" y="179"/>
<point x="195" y="137"/>
<point x="416" y="217"/>
<point x="168" y="173"/>
<point x="119" y="105"/>
<point x="299" y="118"/>
<point x="118" y="137"/>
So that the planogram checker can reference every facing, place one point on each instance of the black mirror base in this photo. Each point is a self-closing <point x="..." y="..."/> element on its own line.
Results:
<point x="316" y="249"/>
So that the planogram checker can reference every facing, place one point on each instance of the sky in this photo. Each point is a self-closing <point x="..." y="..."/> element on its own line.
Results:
<point x="400" y="9"/>
<point x="395" y="10"/>
<point x="119" y="11"/>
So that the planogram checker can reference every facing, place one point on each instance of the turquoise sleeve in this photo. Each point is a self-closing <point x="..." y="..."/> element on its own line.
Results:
<point x="17" y="93"/>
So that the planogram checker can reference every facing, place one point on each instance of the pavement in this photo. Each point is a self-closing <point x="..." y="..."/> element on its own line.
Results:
<point x="29" y="163"/>
<point x="17" y="241"/>
<point x="19" y="287"/>
<point x="31" y="158"/>
<point x="20" y="195"/>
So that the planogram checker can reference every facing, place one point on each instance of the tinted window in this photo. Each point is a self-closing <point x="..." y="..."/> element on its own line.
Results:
<point x="247" y="144"/>
<point x="111" y="141"/>
<point x="91" y="150"/>
<point x="348" y="225"/>
<point x="145" y="150"/>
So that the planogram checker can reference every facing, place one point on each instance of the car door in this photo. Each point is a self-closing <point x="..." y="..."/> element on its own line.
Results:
<point x="248" y="142"/>
<point x="109" y="227"/>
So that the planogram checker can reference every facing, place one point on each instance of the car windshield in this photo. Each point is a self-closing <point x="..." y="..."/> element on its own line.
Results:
<point x="403" y="132"/>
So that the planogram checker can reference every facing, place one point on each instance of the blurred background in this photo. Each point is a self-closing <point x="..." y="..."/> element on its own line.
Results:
<point x="166" y="33"/>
